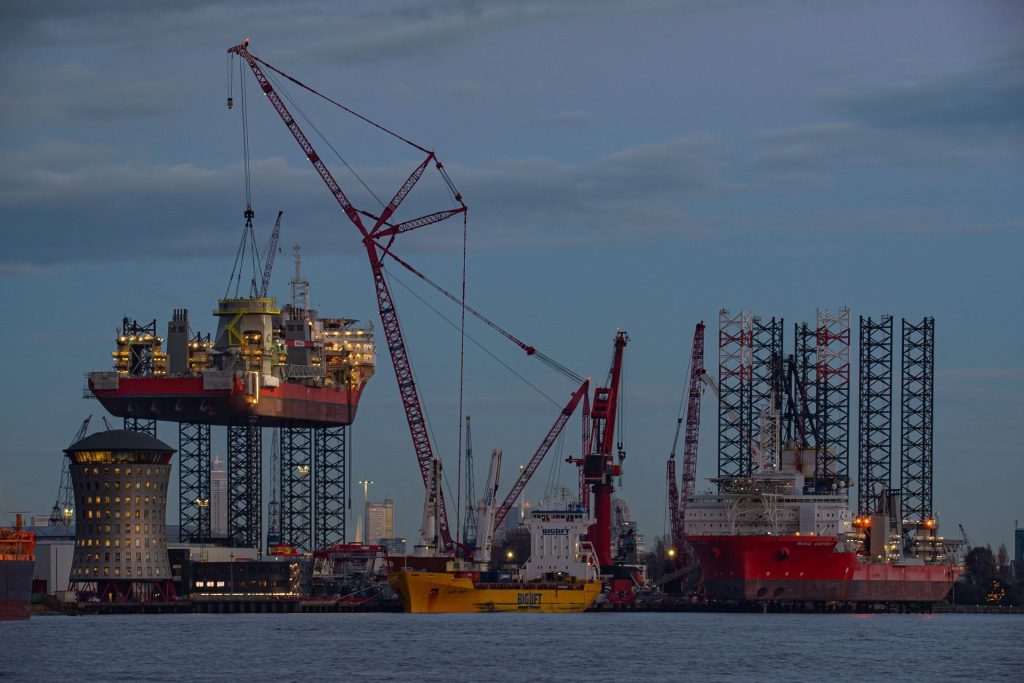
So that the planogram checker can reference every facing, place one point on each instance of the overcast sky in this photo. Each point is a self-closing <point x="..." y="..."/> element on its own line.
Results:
<point x="627" y="165"/>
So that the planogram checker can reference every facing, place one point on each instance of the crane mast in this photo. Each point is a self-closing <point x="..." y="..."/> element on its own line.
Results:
<point x="469" y="527"/>
<point x="63" y="507"/>
<point x="380" y="229"/>
<point x="538" y="456"/>
<point x="598" y="466"/>
<point x="268" y="265"/>
<point x="679" y="499"/>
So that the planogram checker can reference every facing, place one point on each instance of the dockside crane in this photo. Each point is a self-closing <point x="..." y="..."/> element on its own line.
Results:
<point x="679" y="499"/>
<point x="268" y="264"/>
<point x="379" y="230"/>
<point x="378" y="235"/>
<point x="599" y="467"/>
<point x="64" y="507"/>
<point x="469" y="526"/>
<point x="538" y="456"/>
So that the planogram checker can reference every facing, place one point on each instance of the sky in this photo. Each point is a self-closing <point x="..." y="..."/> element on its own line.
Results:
<point x="633" y="166"/>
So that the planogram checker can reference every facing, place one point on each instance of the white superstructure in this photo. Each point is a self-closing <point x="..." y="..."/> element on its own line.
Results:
<point x="557" y="545"/>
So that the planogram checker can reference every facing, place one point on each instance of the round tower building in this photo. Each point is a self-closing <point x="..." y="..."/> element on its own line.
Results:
<point x="120" y="485"/>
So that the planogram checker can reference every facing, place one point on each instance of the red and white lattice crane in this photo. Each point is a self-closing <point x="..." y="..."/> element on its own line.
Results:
<point x="379" y="230"/>
<point x="679" y="499"/>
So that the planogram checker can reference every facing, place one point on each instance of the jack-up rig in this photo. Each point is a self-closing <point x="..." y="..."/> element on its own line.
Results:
<point x="292" y="370"/>
<point x="780" y="528"/>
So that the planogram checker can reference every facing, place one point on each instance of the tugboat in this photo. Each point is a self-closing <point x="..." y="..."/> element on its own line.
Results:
<point x="17" y="564"/>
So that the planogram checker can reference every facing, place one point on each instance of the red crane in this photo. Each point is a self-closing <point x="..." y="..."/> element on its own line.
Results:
<point x="598" y="466"/>
<point x="678" y="500"/>
<point x="381" y="229"/>
<point x="538" y="456"/>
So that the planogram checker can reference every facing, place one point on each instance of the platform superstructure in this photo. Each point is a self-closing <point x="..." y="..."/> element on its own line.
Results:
<point x="287" y="366"/>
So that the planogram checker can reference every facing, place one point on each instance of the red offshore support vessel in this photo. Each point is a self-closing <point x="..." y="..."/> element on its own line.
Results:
<point x="17" y="566"/>
<point x="764" y="538"/>
<point x="287" y="367"/>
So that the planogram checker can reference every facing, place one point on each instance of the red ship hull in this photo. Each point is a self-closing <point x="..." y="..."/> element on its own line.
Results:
<point x="807" y="569"/>
<point x="184" y="399"/>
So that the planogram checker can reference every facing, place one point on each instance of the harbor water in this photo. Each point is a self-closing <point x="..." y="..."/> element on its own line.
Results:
<point x="514" y="647"/>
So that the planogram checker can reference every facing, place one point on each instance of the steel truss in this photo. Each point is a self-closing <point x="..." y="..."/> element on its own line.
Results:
<point x="329" y="496"/>
<point x="916" y="415"/>
<point x="832" y="356"/>
<point x="194" y="482"/>
<point x="805" y="390"/>
<point x="766" y="384"/>
<point x="296" y="453"/>
<point x="874" y="414"/>
<point x="135" y="424"/>
<point x="245" y="483"/>
<point x="735" y="398"/>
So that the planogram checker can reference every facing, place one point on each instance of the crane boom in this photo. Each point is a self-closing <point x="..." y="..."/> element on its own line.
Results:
<point x="271" y="250"/>
<point x="690" y="442"/>
<point x="385" y="303"/>
<point x="598" y="466"/>
<point x="538" y="456"/>
<point x="469" y="527"/>
<point x="62" y="507"/>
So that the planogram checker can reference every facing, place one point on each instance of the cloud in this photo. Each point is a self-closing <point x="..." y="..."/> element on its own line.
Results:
<point x="73" y="93"/>
<point x="95" y="208"/>
<point x="988" y="98"/>
<point x="355" y="31"/>
<point x="971" y="118"/>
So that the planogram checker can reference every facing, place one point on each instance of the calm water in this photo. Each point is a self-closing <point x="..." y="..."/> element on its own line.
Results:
<point x="537" y="647"/>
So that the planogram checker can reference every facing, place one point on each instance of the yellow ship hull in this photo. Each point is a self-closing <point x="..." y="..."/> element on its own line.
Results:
<point x="451" y="592"/>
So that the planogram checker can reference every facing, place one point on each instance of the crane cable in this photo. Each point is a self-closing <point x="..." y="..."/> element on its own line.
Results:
<point x="530" y="351"/>
<point x="339" y="104"/>
<point x="393" y="278"/>
<point x="440" y="167"/>
<point x="284" y="93"/>
<point x="462" y="368"/>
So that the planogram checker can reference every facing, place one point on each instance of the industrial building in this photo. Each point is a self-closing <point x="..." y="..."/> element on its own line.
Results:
<point x="120" y="482"/>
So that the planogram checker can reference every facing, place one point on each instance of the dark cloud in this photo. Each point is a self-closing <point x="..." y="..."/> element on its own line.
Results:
<point x="367" y="30"/>
<point x="74" y="93"/>
<point x="989" y="98"/>
<point x="99" y="209"/>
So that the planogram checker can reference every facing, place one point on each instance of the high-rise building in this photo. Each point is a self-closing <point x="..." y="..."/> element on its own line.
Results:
<point x="395" y="546"/>
<point x="218" y="499"/>
<point x="1018" y="544"/>
<point x="380" y="520"/>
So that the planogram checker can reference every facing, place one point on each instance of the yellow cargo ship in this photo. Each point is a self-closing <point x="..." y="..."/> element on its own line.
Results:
<point x="559" y="576"/>
<point x="462" y="591"/>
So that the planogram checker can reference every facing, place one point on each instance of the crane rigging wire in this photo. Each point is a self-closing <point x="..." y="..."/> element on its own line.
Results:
<point x="339" y="104"/>
<point x="462" y="368"/>
<point x="248" y="241"/>
<point x="393" y="278"/>
<point x="284" y="93"/>
<point x="530" y="351"/>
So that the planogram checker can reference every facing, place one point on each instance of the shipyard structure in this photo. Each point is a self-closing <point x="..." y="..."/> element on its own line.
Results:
<point x="286" y="368"/>
<point x="778" y="524"/>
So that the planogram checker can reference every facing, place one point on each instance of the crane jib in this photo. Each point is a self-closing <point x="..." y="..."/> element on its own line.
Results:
<point x="389" y="317"/>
